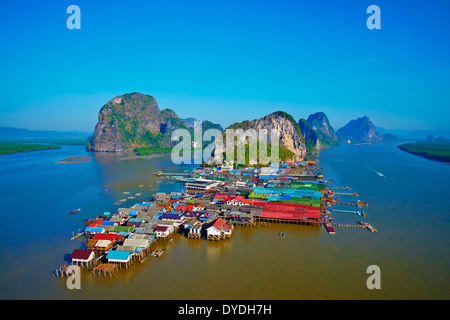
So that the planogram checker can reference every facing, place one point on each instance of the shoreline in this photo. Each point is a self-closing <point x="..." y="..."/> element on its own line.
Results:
<point x="26" y="151"/>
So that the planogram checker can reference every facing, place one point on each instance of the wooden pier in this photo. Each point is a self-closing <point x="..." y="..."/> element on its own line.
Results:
<point x="106" y="269"/>
<point x="348" y="225"/>
<point x="369" y="226"/>
<point x="347" y="193"/>
<point x="274" y="220"/>
<point x="347" y="188"/>
<point x="217" y="237"/>
<point x="165" y="174"/>
<point x="195" y="232"/>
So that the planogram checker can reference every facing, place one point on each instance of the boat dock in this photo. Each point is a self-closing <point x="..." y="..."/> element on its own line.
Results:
<point x="164" y="174"/>
<point x="359" y="212"/>
<point x="369" y="226"/>
<point x="347" y="193"/>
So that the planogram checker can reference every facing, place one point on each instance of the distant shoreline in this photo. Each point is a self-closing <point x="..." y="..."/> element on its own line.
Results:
<point x="429" y="150"/>
<point x="10" y="148"/>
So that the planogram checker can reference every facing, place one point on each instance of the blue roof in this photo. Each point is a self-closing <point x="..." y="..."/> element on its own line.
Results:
<point x="108" y="223"/>
<point x="171" y="216"/>
<point x="94" y="229"/>
<point x="118" y="255"/>
<point x="133" y="212"/>
<point x="143" y="204"/>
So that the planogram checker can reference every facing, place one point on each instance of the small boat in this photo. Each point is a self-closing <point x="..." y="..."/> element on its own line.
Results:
<point x="161" y="253"/>
<point x="330" y="229"/>
<point x="75" y="211"/>
<point x="282" y="234"/>
<point x="143" y="260"/>
<point x="76" y="236"/>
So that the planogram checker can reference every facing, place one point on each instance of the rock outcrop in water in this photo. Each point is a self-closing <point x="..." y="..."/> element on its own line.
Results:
<point x="361" y="130"/>
<point x="291" y="137"/>
<point x="134" y="120"/>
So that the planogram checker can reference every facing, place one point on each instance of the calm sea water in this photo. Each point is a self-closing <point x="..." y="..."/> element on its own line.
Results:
<point x="409" y="208"/>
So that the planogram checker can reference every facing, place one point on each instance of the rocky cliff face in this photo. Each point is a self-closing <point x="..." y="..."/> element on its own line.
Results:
<point x="132" y="121"/>
<point x="320" y="123"/>
<point x="288" y="129"/>
<point x="318" y="132"/>
<point x="360" y="130"/>
<point x="312" y="141"/>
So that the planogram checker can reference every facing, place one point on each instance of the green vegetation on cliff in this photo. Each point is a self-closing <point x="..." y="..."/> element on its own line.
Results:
<point x="284" y="154"/>
<point x="149" y="151"/>
<point x="134" y="121"/>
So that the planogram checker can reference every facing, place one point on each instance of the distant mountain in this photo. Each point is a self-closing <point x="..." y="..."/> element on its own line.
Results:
<point x="134" y="120"/>
<point x="415" y="134"/>
<point x="389" y="137"/>
<point x="361" y="130"/>
<point x="318" y="132"/>
<point x="9" y="133"/>
<point x="190" y="122"/>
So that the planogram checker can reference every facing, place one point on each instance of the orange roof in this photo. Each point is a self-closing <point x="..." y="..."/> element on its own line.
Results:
<point x="184" y="207"/>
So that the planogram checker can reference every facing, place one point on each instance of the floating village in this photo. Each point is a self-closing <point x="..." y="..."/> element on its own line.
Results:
<point x="212" y="202"/>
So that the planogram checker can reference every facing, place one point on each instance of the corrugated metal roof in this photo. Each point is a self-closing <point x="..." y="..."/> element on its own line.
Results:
<point x="118" y="255"/>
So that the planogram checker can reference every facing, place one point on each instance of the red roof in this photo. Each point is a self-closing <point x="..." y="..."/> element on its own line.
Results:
<point x="223" y="196"/>
<point x="220" y="224"/>
<point x="184" y="207"/>
<point x="166" y="206"/>
<point x="289" y="212"/>
<point x="80" y="254"/>
<point x="161" y="228"/>
<point x="259" y="203"/>
<point x="106" y="236"/>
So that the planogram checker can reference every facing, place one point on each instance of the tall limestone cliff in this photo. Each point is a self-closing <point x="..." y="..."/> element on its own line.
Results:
<point x="318" y="132"/>
<point x="134" y="120"/>
<point x="361" y="130"/>
<point x="291" y="138"/>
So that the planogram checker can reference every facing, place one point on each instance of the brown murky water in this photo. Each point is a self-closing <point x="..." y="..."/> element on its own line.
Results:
<point x="411" y="246"/>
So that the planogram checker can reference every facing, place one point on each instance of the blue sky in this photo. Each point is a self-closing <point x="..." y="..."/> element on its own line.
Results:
<point x="226" y="61"/>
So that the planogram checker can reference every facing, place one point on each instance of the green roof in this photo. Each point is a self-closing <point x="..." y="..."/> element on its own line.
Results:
<point x="123" y="229"/>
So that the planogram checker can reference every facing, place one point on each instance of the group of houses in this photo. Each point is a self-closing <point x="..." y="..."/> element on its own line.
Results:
<point x="215" y="199"/>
